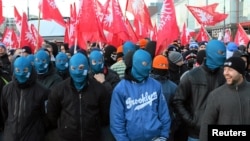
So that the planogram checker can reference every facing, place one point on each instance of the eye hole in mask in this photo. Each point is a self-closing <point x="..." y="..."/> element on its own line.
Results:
<point x="221" y="52"/>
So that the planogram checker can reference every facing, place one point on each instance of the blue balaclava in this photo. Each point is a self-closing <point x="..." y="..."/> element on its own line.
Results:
<point x="142" y="65"/>
<point x="127" y="47"/>
<point x="215" y="54"/>
<point x="96" y="61"/>
<point x="78" y="69"/>
<point x="41" y="62"/>
<point x="231" y="48"/>
<point x="22" y="69"/>
<point x="31" y="58"/>
<point x="62" y="62"/>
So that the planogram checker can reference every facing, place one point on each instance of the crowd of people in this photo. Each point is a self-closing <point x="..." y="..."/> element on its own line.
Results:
<point x="123" y="93"/>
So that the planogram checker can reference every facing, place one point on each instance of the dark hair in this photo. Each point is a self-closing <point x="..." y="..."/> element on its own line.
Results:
<point x="66" y="46"/>
<point x="54" y="47"/>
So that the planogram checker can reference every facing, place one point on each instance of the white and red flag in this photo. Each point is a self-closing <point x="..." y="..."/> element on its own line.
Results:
<point x="9" y="38"/>
<point x="113" y="20"/>
<point x="241" y="37"/>
<point x="168" y="30"/>
<point x="207" y="15"/>
<point x="142" y="18"/>
<point x="185" y="35"/>
<point x="50" y="11"/>
<point x="17" y="19"/>
<point x="202" y="35"/>
<point x="26" y="37"/>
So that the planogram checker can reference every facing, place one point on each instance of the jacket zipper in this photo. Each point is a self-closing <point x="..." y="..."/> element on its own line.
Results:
<point x="19" y="114"/>
<point x="81" y="122"/>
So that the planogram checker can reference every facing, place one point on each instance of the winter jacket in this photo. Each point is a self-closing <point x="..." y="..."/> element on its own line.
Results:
<point x="78" y="116"/>
<point x="50" y="78"/>
<point x="227" y="105"/>
<point x="139" y="111"/>
<point x="191" y="95"/>
<point x="23" y="109"/>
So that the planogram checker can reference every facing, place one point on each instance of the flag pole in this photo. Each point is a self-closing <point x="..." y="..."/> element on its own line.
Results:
<point x="38" y="30"/>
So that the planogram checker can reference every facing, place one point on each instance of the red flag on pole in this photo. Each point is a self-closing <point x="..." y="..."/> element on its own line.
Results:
<point x="206" y="15"/>
<point x="26" y="37"/>
<point x="241" y="37"/>
<point x="202" y="35"/>
<point x="168" y="30"/>
<point x="142" y="17"/>
<point x="9" y="38"/>
<point x="50" y="11"/>
<point x="89" y="26"/>
<point x="113" y="20"/>
<point x="37" y="36"/>
<point x="18" y="19"/>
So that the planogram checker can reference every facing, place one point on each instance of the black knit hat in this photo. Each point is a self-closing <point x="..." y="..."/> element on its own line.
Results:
<point x="236" y="63"/>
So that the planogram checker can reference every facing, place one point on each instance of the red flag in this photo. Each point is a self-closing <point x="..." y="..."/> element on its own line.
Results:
<point x="140" y="30"/>
<point x="211" y="8"/>
<point x="37" y="36"/>
<point x="89" y="26"/>
<point x="26" y="37"/>
<point x="241" y="37"/>
<point x="131" y="31"/>
<point x="113" y="20"/>
<point x="71" y="27"/>
<point x="141" y="13"/>
<point x="9" y="38"/>
<point x="202" y="35"/>
<point x="1" y="12"/>
<point x="66" y="34"/>
<point x="184" y="38"/>
<point x="154" y="33"/>
<point x="168" y="30"/>
<point x="18" y="19"/>
<point x="205" y="15"/>
<point x="50" y="11"/>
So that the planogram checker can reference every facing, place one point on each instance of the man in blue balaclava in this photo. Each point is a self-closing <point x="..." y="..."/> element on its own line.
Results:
<point x="80" y="102"/>
<point x="141" y="65"/>
<point x="22" y="69"/>
<point x="79" y="70"/>
<point x="137" y="98"/>
<point x="62" y="65"/>
<point x="215" y="54"/>
<point x="96" y="61"/>
<point x="30" y="96"/>
<point x="42" y="61"/>
<point x="107" y="77"/>
<point x="45" y="69"/>
<point x="192" y="92"/>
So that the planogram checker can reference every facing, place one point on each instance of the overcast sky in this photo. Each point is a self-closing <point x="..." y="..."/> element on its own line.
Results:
<point x="63" y="6"/>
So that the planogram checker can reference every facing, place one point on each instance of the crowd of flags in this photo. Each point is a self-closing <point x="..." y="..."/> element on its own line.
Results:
<point x="97" y="22"/>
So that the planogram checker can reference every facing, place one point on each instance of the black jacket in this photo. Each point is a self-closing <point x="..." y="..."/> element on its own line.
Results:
<point x="191" y="95"/>
<point x="23" y="110"/>
<point x="50" y="78"/>
<point x="78" y="116"/>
